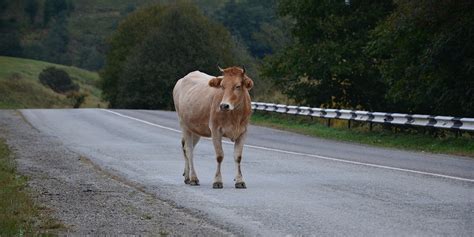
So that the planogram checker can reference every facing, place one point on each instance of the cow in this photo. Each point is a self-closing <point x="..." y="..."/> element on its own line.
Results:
<point x="216" y="107"/>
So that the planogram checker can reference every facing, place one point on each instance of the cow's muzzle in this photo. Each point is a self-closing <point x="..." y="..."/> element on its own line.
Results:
<point x="224" y="106"/>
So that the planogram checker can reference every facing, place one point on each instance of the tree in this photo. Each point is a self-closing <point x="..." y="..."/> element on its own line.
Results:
<point x="325" y="65"/>
<point x="181" y="40"/>
<point x="56" y="8"/>
<point x="89" y="58"/>
<point x="248" y="21"/>
<point x="56" y="43"/>
<point x="9" y="38"/>
<point x="31" y="8"/>
<point x="425" y="55"/>
<point x="123" y="41"/>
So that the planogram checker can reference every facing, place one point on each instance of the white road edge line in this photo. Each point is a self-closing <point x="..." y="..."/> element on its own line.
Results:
<point x="304" y="154"/>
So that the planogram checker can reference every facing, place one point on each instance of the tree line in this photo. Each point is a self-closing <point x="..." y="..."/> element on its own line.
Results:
<point x="398" y="56"/>
<point x="47" y="19"/>
<point x="391" y="55"/>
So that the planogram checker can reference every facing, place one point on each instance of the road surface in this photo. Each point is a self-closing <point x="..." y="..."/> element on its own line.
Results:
<point x="296" y="185"/>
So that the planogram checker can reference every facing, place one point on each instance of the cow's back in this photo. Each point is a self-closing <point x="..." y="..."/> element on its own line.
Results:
<point x="192" y="97"/>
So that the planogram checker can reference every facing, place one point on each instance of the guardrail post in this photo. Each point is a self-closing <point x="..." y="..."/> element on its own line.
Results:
<point x="328" y="123"/>
<point x="349" y="124"/>
<point x="457" y="133"/>
<point x="370" y="126"/>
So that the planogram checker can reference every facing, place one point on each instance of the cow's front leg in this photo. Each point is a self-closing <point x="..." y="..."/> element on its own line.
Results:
<point x="217" y="141"/>
<point x="238" y="147"/>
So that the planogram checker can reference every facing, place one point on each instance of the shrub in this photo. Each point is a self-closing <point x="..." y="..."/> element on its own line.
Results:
<point x="58" y="80"/>
<point x="76" y="98"/>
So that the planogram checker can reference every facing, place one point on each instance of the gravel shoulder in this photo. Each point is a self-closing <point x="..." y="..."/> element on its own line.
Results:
<point x="86" y="199"/>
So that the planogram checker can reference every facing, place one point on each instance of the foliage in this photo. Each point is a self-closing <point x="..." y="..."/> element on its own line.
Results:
<point x="31" y="8"/>
<point x="405" y="56"/>
<point x="325" y="65"/>
<point x="9" y="38"/>
<point x="425" y="54"/>
<point x="58" y="80"/>
<point x="55" y="46"/>
<point x="128" y="35"/>
<point x="77" y="99"/>
<point x="56" y="9"/>
<point x="156" y="46"/>
<point x="251" y="21"/>
<point x="80" y="28"/>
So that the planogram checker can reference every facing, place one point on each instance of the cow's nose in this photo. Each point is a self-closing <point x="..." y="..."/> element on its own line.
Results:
<point x="224" y="106"/>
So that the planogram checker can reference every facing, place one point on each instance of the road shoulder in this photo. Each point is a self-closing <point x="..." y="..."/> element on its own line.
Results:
<point x="86" y="199"/>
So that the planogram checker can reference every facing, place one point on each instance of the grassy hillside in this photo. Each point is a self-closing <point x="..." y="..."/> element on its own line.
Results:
<point x="20" y="87"/>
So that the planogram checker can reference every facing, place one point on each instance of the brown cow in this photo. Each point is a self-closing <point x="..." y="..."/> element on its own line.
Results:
<point x="214" y="107"/>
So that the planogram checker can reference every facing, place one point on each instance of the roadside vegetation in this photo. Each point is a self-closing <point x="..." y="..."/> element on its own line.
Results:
<point x="415" y="138"/>
<point x="19" y="216"/>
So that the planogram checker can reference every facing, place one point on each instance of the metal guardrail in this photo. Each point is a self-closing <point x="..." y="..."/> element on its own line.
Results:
<point x="447" y="122"/>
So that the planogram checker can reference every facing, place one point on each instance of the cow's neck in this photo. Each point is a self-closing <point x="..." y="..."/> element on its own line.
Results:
<point x="237" y="119"/>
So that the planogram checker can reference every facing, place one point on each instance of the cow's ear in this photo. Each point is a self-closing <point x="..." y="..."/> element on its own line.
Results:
<point x="215" y="82"/>
<point x="248" y="83"/>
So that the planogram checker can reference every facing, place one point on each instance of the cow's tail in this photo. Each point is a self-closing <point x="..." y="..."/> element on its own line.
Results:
<point x="184" y="151"/>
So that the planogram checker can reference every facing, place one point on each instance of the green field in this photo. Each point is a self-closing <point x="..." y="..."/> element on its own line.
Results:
<point x="20" y="87"/>
<point x="444" y="142"/>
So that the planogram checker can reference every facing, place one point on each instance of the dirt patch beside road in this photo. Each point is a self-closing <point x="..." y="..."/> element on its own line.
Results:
<point x="86" y="199"/>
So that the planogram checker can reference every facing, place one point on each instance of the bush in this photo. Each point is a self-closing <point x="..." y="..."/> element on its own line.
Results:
<point x="58" y="80"/>
<point x="76" y="98"/>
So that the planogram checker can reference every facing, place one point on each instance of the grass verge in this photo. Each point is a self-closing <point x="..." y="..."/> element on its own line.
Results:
<point x="19" y="216"/>
<point x="408" y="139"/>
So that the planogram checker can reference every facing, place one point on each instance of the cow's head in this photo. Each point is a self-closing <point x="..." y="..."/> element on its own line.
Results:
<point x="235" y="85"/>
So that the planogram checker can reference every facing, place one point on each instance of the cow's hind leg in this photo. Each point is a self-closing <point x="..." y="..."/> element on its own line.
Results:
<point x="186" y="162"/>
<point x="190" y="140"/>
<point x="238" y="147"/>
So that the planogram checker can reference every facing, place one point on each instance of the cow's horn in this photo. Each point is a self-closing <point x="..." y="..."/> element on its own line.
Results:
<point x="220" y="69"/>
<point x="243" y="69"/>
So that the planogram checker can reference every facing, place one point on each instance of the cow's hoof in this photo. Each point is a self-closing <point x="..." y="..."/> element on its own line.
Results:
<point x="194" y="182"/>
<point x="217" y="185"/>
<point x="187" y="181"/>
<point x="240" y="185"/>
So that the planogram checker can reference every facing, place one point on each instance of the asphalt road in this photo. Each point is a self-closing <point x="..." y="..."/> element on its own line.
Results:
<point x="296" y="185"/>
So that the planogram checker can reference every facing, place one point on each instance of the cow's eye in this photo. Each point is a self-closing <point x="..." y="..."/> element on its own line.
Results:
<point x="237" y="87"/>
